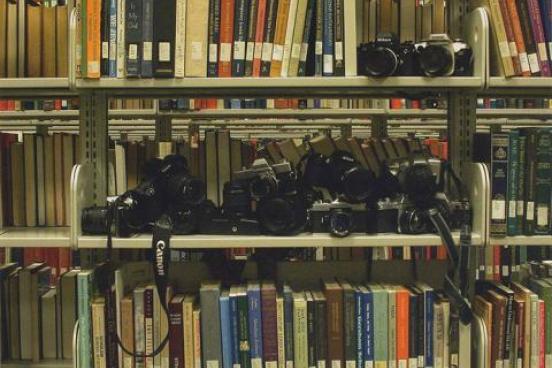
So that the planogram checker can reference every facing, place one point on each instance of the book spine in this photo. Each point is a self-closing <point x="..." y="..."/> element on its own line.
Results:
<point x="133" y="35"/>
<point x="147" y="39"/>
<point x="530" y="176"/>
<point x="307" y="31"/>
<point x="280" y="334"/>
<point x="530" y="45"/>
<point x="499" y="182"/>
<point x="98" y="335"/>
<point x="288" y="40"/>
<point x="392" y="327"/>
<point x="538" y="35"/>
<point x="520" y="206"/>
<point x="251" y="33"/>
<point x="300" y="333"/>
<point x="259" y="37"/>
<point x="352" y="34"/>
<point x="413" y="327"/>
<point x="359" y="317"/>
<point x="380" y="329"/>
<point x="508" y="27"/>
<point x="297" y="38"/>
<point x="235" y="326"/>
<point x="429" y="297"/>
<point x="439" y="335"/>
<point x="339" y="67"/>
<point x="210" y="327"/>
<point x="244" y="332"/>
<point x="513" y="178"/>
<point x="113" y="38"/>
<point x="328" y="39"/>
<point x="368" y="334"/>
<point x="197" y="339"/>
<point x="321" y="337"/>
<point x="225" y="321"/>
<point x="255" y="327"/>
<point x="546" y="12"/>
<point x="121" y="46"/>
<point x="93" y="44"/>
<point x="311" y="334"/>
<point x="543" y="181"/>
<point x="104" y="37"/>
<point x="509" y="330"/>
<point x="148" y="327"/>
<point x="176" y="341"/>
<point x="501" y="39"/>
<point x="85" y="325"/>
<point x="268" y="45"/>
<point x="402" y="328"/>
<point x="518" y="38"/>
<point x="288" y="328"/>
<point x="279" y="38"/>
<point x="319" y="39"/>
<point x="176" y="65"/>
<point x="226" y="38"/>
<point x="111" y="334"/>
<point x="269" y="327"/>
<point x="542" y="334"/>
<point x="214" y="37"/>
<point x="240" y="38"/>
<point x="82" y="44"/>
<point x="349" y="328"/>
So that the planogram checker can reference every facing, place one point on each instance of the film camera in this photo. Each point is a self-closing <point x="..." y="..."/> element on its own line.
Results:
<point x="262" y="199"/>
<point x="340" y="219"/>
<point x="168" y="188"/>
<point x="438" y="56"/>
<point x="421" y="197"/>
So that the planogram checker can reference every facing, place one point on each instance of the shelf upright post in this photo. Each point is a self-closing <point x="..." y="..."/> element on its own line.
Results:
<point x="379" y="127"/>
<point x="94" y="140"/>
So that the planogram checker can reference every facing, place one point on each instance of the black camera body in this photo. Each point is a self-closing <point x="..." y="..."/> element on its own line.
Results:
<point x="439" y="56"/>
<point x="339" y="219"/>
<point x="387" y="56"/>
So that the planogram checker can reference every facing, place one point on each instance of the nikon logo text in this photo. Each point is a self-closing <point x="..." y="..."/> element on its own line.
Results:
<point x="160" y="248"/>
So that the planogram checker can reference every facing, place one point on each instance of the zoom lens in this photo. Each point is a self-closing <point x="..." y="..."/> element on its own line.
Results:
<point x="341" y="223"/>
<point x="94" y="220"/>
<point x="381" y="62"/>
<point x="436" y="61"/>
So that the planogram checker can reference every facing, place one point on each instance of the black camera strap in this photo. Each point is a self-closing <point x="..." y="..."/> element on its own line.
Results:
<point x="161" y="254"/>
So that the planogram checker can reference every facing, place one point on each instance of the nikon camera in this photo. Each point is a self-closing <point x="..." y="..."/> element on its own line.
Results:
<point x="340" y="219"/>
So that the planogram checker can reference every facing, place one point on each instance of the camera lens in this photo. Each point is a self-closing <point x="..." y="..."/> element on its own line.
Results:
<point x="436" y="60"/>
<point x="94" y="220"/>
<point x="413" y="221"/>
<point x="381" y="62"/>
<point x="418" y="183"/>
<point x="281" y="216"/>
<point x="236" y="198"/>
<point x="184" y="189"/>
<point x="184" y="221"/>
<point x="341" y="223"/>
<point x="358" y="184"/>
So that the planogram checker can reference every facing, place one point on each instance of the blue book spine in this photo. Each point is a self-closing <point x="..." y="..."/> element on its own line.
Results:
<point x="234" y="326"/>
<point x="85" y="326"/>
<point x="226" y="331"/>
<point x="255" y="323"/>
<point x="359" y="308"/>
<point x="147" y="44"/>
<point x="546" y="13"/>
<point x="368" y="335"/>
<point x="328" y="39"/>
<point x="429" y="297"/>
<point x="113" y="38"/>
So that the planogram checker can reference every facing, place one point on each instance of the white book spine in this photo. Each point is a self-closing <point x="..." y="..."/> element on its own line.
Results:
<point x="121" y="62"/>
<point x="280" y="332"/>
<point x="180" y="39"/>
<point x="289" y="37"/>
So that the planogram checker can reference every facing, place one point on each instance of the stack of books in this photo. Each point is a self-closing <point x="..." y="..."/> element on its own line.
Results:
<point x="34" y="39"/>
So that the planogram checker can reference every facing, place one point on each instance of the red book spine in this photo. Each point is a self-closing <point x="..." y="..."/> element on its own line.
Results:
<point x="226" y="38"/>
<point x="538" y="35"/>
<point x="11" y="105"/>
<point x="496" y="264"/>
<point x="64" y="260"/>
<point x="268" y="309"/>
<point x="3" y="105"/>
<point x="259" y="36"/>
<point x="176" y="333"/>
<point x="518" y="37"/>
<point x="57" y="104"/>
<point x="510" y="37"/>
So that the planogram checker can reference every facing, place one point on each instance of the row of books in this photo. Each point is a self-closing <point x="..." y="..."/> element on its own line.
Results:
<point x="522" y="32"/>
<point x="239" y="38"/>
<point x="257" y="324"/>
<point x="514" y="103"/>
<point x="37" y="315"/>
<point x="517" y="318"/>
<point x="521" y="180"/>
<point x="34" y="39"/>
<point x="35" y="178"/>
<point x="56" y="104"/>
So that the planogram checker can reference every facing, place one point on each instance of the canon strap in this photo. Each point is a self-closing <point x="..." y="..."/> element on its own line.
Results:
<point x="160" y="262"/>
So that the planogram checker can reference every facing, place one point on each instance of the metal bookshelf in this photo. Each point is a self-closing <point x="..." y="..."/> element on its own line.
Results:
<point x="35" y="87"/>
<point x="12" y="237"/>
<point x="522" y="240"/>
<point x="42" y="364"/>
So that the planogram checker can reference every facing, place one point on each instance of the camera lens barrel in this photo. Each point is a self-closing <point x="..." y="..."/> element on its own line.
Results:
<point x="341" y="223"/>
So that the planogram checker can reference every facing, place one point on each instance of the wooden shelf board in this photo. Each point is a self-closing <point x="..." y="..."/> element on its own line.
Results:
<point x="42" y="364"/>
<point x="15" y="237"/>
<point x="536" y="240"/>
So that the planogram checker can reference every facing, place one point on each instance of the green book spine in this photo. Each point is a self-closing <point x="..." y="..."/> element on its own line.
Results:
<point x="520" y="207"/>
<point x="380" y="327"/>
<point x="530" y="176"/>
<point x="243" y="322"/>
<point x="84" y="281"/>
<point x="544" y="290"/>
<point x="499" y="185"/>
<point x="543" y="181"/>
<point x="513" y="178"/>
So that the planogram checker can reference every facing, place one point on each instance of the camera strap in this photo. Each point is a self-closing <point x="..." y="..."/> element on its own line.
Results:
<point x="161" y="253"/>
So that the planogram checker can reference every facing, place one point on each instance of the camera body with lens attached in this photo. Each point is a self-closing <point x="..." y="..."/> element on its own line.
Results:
<point x="262" y="199"/>
<point x="339" y="219"/>
<point x="439" y="56"/>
